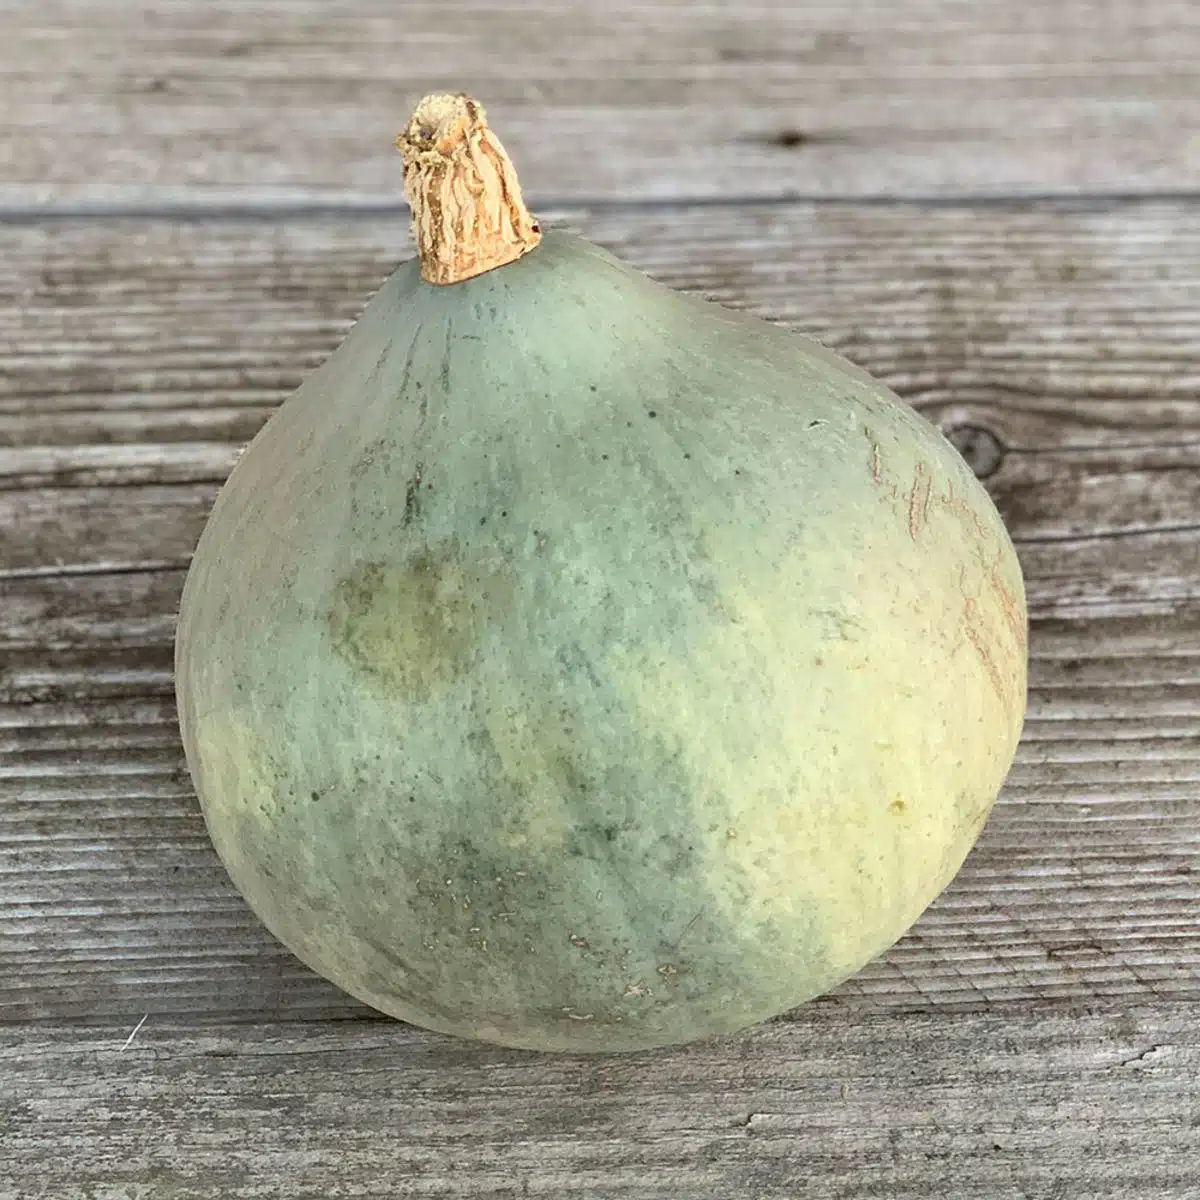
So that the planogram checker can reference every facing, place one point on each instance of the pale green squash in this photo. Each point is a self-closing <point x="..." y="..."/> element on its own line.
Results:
<point x="575" y="664"/>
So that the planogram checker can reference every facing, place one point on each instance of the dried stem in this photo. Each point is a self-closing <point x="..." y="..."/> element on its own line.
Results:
<point x="468" y="215"/>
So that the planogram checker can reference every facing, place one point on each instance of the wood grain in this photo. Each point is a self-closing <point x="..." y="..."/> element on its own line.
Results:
<point x="291" y="101"/>
<point x="1053" y="326"/>
<point x="1055" y="343"/>
<point x="1037" y="1034"/>
<point x="886" y="1108"/>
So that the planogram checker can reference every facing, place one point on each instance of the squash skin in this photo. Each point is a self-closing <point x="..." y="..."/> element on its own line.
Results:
<point x="573" y="664"/>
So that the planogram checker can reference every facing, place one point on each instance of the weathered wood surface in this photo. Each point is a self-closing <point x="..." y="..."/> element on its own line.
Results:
<point x="292" y="100"/>
<point x="1064" y="325"/>
<point x="1037" y="1035"/>
<point x="140" y="356"/>
<point x="1025" y="1106"/>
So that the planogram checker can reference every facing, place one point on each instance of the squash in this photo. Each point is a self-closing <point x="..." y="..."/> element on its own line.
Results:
<point x="574" y="664"/>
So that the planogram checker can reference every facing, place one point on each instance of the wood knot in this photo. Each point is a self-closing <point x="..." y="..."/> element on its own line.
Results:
<point x="980" y="448"/>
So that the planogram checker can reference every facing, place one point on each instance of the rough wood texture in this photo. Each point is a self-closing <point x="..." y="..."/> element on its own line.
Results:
<point x="1059" y="326"/>
<point x="1056" y="343"/>
<point x="1035" y="1037"/>
<point x="287" y="100"/>
<point x="1012" y="1108"/>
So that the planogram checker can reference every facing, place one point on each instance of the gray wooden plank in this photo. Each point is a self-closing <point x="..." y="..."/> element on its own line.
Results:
<point x="290" y="100"/>
<point x="894" y="1107"/>
<point x="1046" y="493"/>
<point x="1046" y="325"/>
<point x="1147" y="549"/>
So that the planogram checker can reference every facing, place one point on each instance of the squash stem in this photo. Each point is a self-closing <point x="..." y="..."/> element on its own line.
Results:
<point x="468" y="214"/>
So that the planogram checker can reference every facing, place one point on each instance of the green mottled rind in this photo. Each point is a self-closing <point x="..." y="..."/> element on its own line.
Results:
<point x="573" y="664"/>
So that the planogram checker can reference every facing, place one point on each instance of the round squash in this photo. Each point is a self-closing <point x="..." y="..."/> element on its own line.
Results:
<point x="578" y="665"/>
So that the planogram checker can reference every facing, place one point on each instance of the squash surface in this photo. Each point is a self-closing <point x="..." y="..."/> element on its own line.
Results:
<point x="575" y="664"/>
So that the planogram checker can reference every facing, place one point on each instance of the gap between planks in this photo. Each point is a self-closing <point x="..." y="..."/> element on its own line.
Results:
<point x="238" y="206"/>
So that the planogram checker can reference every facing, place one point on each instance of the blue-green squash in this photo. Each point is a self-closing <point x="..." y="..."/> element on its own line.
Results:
<point x="578" y="665"/>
